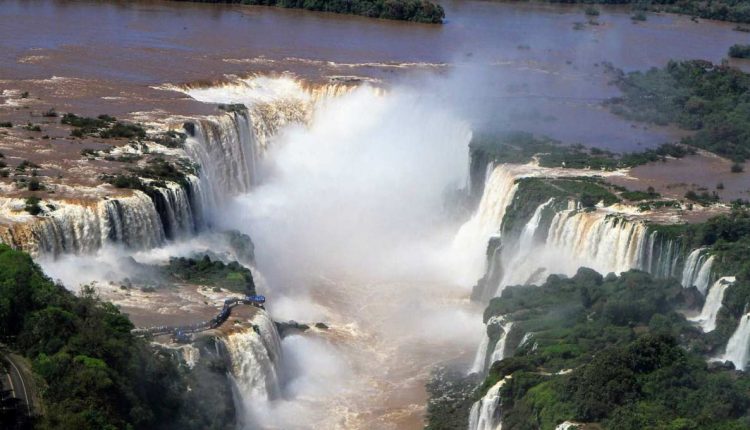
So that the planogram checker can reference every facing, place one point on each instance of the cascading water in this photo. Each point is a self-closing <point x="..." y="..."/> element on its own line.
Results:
<point x="481" y="355"/>
<point x="175" y="208"/>
<point x="598" y="240"/>
<point x="662" y="256"/>
<point x="483" y="358"/>
<point x="498" y="352"/>
<point x="255" y="353"/>
<point x="707" y="317"/>
<point x="227" y="151"/>
<point x="526" y="240"/>
<point x="83" y="228"/>
<point x="697" y="270"/>
<point x="738" y="347"/>
<point x="484" y="414"/>
<point x="487" y="221"/>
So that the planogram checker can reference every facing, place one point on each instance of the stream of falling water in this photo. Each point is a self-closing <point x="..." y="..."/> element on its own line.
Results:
<point x="350" y="230"/>
<point x="369" y="369"/>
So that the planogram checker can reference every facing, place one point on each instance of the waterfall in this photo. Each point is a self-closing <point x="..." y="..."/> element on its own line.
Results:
<point x="520" y="259"/>
<point x="485" y="412"/>
<point x="737" y="347"/>
<point x="175" y="207"/>
<point x="481" y="355"/>
<point x="81" y="227"/>
<point x="254" y="354"/>
<point x="482" y="360"/>
<point x="471" y="239"/>
<point x="697" y="270"/>
<point x="707" y="318"/>
<point x="499" y="352"/>
<point x="661" y="256"/>
<point x="598" y="240"/>
<point x="227" y="152"/>
<point x="526" y="240"/>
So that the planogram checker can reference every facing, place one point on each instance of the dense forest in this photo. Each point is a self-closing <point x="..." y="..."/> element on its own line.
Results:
<point x="404" y="10"/>
<point x="611" y="350"/>
<point x="92" y="372"/>
<point x="723" y="10"/>
<point x="712" y="100"/>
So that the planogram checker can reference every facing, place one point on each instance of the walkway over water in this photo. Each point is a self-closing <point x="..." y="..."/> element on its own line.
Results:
<point x="181" y="331"/>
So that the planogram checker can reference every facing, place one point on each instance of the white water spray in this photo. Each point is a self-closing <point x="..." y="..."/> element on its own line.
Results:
<point x="738" y="347"/>
<point x="707" y="317"/>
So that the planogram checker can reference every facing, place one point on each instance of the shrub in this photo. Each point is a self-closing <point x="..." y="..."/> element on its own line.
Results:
<point x="32" y="205"/>
<point x="737" y="168"/>
<point x="35" y="185"/>
<point x="639" y="16"/>
<point x="32" y="127"/>
<point x="739" y="51"/>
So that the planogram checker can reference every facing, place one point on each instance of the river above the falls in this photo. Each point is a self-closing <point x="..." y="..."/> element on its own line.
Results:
<point x="536" y="70"/>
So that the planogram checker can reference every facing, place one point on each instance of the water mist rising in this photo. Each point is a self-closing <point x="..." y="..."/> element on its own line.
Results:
<point x="350" y="228"/>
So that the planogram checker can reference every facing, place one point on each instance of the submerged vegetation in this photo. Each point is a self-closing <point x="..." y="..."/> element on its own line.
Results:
<point x="723" y="10"/>
<point x="405" y="10"/>
<point x="713" y="100"/>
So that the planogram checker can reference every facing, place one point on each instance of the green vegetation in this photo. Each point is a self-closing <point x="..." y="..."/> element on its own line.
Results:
<point x="123" y="130"/>
<point x="6" y="124"/>
<point x="232" y="276"/>
<point x="171" y="139"/>
<point x="737" y="168"/>
<point x="92" y="372"/>
<point x="158" y="170"/>
<point x="739" y="51"/>
<point x="26" y="164"/>
<point x="591" y="11"/>
<point x="104" y="126"/>
<point x="639" y="16"/>
<point x="35" y="185"/>
<point x="236" y="107"/>
<point x="124" y="158"/>
<point x="616" y="338"/>
<point x="712" y="100"/>
<point x="636" y="196"/>
<point x="723" y="10"/>
<point x="727" y="238"/>
<point x="522" y="147"/>
<point x="32" y="127"/>
<point x="404" y="10"/>
<point x="451" y="395"/>
<point x="32" y="205"/>
<point x="704" y="198"/>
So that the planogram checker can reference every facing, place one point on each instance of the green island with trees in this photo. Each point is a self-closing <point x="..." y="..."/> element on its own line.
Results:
<point x="610" y="351"/>
<point x="423" y="11"/>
